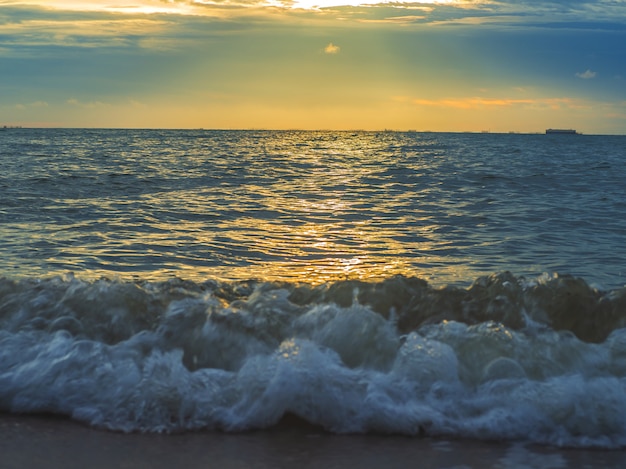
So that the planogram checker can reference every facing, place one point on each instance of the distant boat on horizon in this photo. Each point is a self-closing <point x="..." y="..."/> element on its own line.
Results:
<point x="561" y="131"/>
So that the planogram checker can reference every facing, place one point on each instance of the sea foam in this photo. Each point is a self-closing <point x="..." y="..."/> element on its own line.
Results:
<point x="179" y="356"/>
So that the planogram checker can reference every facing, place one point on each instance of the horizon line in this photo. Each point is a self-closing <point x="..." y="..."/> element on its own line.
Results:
<point x="263" y="129"/>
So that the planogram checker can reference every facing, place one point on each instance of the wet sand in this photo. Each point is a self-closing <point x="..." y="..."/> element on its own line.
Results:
<point x="39" y="442"/>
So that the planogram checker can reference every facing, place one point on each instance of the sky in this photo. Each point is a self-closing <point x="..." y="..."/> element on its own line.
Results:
<point x="457" y="65"/>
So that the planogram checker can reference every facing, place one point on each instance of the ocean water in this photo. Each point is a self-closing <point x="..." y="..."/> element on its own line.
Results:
<point x="422" y="284"/>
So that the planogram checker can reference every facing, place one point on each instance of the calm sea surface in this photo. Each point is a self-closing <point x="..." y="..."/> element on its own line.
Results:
<point x="453" y="286"/>
<point x="311" y="206"/>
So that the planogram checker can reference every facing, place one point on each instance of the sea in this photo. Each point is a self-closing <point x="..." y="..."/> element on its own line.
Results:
<point x="448" y="286"/>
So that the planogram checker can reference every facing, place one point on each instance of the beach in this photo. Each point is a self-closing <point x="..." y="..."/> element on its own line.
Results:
<point x="43" y="442"/>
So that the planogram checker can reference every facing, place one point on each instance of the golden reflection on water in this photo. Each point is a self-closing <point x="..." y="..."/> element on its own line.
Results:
<point x="299" y="208"/>
<point x="306" y="206"/>
<point x="318" y="236"/>
<point x="315" y="253"/>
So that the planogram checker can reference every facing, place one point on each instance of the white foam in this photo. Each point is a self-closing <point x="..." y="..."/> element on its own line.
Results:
<point x="212" y="365"/>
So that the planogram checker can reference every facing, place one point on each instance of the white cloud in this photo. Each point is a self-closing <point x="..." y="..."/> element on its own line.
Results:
<point x="586" y="75"/>
<point x="332" y="49"/>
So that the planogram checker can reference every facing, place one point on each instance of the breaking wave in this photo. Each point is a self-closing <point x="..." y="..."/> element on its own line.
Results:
<point x="541" y="360"/>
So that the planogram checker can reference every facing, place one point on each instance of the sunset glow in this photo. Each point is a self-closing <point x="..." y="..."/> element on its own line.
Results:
<point x="336" y="64"/>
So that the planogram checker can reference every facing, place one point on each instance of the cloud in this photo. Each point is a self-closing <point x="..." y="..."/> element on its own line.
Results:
<point x="475" y="102"/>
<point x="155" y="23"/>
<point x="401" y="20"/>
<point x="469" y="103"/>
<point x="586" y="75"/>
<point x="86" y="105"/>
<point x="137" y="104"/>
<point x="332" y="49"/>
<point x="36" y="104"/>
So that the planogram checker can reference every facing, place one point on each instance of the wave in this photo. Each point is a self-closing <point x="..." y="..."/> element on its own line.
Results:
<point x="541" y="360"/>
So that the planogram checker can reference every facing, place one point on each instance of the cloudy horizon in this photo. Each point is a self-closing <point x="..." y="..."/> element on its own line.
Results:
<point x="441" y="66"/>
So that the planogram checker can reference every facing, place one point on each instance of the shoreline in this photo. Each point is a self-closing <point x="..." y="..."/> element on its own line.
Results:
<point x="52" y="442"/>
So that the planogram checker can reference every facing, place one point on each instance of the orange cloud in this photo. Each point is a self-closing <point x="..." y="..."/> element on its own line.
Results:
<point x="486" y="103"/>
<point x="470" y="103"/>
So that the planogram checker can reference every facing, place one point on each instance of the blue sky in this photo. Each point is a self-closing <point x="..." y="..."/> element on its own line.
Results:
<point x="444" y="66"/>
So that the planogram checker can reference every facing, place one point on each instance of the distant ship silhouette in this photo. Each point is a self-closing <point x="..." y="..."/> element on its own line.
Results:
<point x="561" y="131"/>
